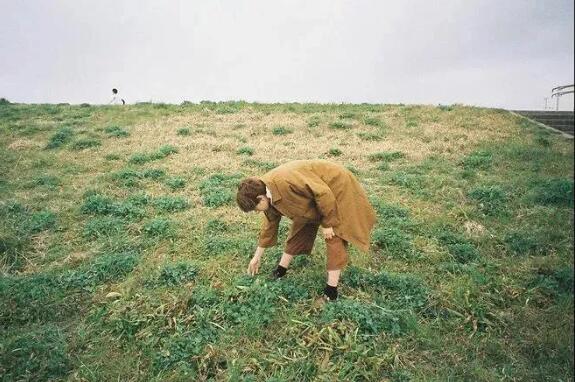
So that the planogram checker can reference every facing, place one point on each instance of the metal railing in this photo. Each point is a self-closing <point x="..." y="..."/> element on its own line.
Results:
<point x="559" y="91"/>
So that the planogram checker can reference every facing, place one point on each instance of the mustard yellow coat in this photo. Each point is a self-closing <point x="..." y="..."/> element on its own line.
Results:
<point x="318" y="191"/>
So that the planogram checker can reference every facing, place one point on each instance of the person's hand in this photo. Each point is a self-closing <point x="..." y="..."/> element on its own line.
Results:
<point x="327" y="233"/>
<point x="254" y="265"/>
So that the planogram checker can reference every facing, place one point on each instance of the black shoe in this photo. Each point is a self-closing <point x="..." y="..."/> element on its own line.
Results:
<point x="278" y="273"/>
<point x="330" y="292"/>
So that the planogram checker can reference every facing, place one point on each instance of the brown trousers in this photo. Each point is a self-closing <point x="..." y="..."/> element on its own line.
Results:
<point x="302" y="237"/>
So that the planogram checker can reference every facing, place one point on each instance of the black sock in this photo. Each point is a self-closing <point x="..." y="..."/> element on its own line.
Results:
<point x="279" y="271"/>
<point x="330" y="292"/>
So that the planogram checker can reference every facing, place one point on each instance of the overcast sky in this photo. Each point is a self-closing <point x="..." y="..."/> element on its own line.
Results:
<point x="477" y="52"/>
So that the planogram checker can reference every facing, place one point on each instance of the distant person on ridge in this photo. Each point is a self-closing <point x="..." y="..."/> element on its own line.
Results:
<point x="116" y="100"/>
<point x="310" y="193"/>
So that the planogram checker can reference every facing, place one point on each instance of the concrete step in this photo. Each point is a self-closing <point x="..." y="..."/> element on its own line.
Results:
<point x="560" y="120"/>
<point x="555" y="123"/>
<point x="557" y="119"/>
<point x="543" y="112"/>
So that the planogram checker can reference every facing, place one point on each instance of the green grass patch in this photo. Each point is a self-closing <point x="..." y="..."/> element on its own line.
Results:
<point x="18" y="225"/>
<point x="373" y="121"/>
<point x="553" y="282"/>
<point x="85" y="143"/>
<point x="184" y="132"/>
<point x="370" y="318"/>
<point x="40" y="354"/>
<point x="176" y="274"/>
<point x="394" y="242"/>
<point x="105" y="226"/>
<point x="112" y="157"/>
<point x="48" y="181"/>
<point x="391" y="290"/>
<point x="314" y="121"/>
<point x="97" y="204"/>
<point x="554" y="192"/>
<point x="334" y="152"/>
<point x="176" y="183"/>
<point x="281" y="130"/>
<point x="171" y="203"/>
<point x="462" y="250"/>
<point x="116" y="131"/>
<point x="161" y="153"/>
<point x="522" y="243"/>
<point x="340" y="125"/>
<point x="347" y="115"/>
<point x="263" y="165"/>
<point x="245" y="150"/>
<point x="491" y="199"/>
<point x="159" y="228"/>
<point x="385" y="156"/>
<point x="128" y="177"/>
<point x="60" y="138"/>
<point x="54" y="296"/>
<point x="413" y="182"/>
<point x="370" y="136"/>
<point x="219" y="189"/>
<point x="481" y="160"/>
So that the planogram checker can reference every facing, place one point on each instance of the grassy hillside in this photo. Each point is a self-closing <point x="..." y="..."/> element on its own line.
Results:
<point x="123" y="255"/>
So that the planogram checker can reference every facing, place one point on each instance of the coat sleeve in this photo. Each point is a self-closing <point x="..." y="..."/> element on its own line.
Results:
<point x="325" y="201"/>
<point x="269" y="231"/>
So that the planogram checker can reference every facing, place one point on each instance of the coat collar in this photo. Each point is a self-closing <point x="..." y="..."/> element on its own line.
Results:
<point x="271" y="184"/>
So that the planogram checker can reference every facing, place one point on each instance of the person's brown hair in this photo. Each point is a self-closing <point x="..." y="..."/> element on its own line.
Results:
<point x="248" y="191"/>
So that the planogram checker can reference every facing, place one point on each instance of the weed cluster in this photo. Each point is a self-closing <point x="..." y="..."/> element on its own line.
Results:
<point x="130" y="178"/>
<point x="158" y="228"/>
<point x="18" y="224"/>
<point x="394" y="235"/>
<point x="60" y="138"/>
<point x="116" y="131"/>
<point x="39" y="355"/>
<point x="175" y="274"/>
<point x="218" y="189"/>
<point x="245" y="150"/>
<point x="461" y="249"/>
<point x="266" y="166"/>
<point x="176" y="183"/>
<point x="170" y="203"/>
<point x="334" y="152"/>
<point x="491" y="199"/>
<point x="370" y="318"/>
<point x="340" y="125"/>
<point x="52" y="296"/>
<point x="104" y="226"/>
<point x="553" y="282"/>
<point x="481" y="160"/>
<point x="281" y="130"/>
<point x="385" y="156"/>
<point x="370" y="136"/>
<point x="85" y="143"/>
<point x="314" y="121"/>
<point x="393" y="291"/>
<point x="558" y="192"/>
<point x="184" y="132"/>
<point x="373" y="121"/>
<point x="97" y="204"/>
<point x="161" y="153"/>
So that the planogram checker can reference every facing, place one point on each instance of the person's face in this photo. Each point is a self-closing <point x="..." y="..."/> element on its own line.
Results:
<point x="263" y="204"/>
